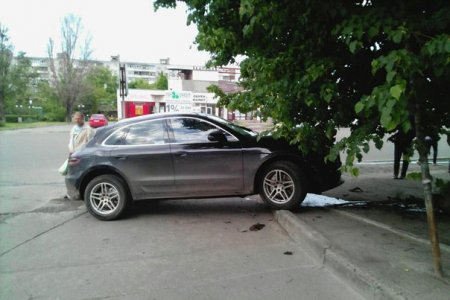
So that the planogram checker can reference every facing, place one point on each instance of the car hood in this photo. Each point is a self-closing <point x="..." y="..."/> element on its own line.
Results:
<point x="269" y="142"/>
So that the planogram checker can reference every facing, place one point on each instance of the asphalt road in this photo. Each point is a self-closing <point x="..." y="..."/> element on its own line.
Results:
<point x="50" y="248"/>
<point x="29" y="160"/>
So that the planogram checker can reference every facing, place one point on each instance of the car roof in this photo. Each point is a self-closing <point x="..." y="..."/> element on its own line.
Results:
<point x="160" y="116"/>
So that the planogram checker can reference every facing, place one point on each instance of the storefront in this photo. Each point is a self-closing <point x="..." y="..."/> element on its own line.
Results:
<point x="144" y="102"/>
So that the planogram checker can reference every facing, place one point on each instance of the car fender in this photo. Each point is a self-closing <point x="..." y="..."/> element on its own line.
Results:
<point x="102" y="169"/>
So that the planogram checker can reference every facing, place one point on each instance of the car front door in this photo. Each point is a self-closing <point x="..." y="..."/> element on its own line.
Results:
<point x="202" y="166"/>
<point x="144" y="158"/>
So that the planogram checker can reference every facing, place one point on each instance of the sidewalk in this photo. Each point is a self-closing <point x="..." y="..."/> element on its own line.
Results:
<point x="380" y="241"/>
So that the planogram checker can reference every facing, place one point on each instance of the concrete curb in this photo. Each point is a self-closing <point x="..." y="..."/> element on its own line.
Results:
<point x="318" y="246"/>
<point x="399" y="232"/>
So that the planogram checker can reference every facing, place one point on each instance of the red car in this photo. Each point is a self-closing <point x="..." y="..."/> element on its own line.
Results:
<point x="98" y="120"/>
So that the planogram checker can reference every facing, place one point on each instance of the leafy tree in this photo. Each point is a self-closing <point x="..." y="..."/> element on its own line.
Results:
<point x="16" y="77"/>
<point x="5" y="62"/>
<point x="71" y="65"/>
<point x="374" y="66"/>
<point x="141" y="84"/>
<point x="22" y="79"/>
<point x="48" y="100"/>
<point x="102" y="90"/>
<point x="161" y="83"/>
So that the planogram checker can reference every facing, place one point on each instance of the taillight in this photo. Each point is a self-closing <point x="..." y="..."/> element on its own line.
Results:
<point x="73" y="161"/>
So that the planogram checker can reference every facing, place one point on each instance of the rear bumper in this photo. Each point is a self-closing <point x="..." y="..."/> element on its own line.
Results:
<point x="72" y="190"/>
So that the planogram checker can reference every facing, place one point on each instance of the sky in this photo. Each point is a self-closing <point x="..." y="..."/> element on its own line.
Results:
<point x="129" y="28"/>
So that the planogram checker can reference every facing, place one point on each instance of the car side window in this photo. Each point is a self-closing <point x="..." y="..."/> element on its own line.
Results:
<point x="146" y="133"/>
<point x="189" y="130"/>
<point x="117" y="137"/>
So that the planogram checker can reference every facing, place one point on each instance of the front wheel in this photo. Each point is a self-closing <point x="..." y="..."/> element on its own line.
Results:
<point x="106" y="197"/>
<point x="282" y="185"/>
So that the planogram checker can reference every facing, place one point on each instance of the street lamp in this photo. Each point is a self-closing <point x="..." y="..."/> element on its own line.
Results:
<point x="81" y="108"/>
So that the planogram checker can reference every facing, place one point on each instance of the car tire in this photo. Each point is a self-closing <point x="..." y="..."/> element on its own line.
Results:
<point x="282" y="185"/>
<point x="106" y="197"/>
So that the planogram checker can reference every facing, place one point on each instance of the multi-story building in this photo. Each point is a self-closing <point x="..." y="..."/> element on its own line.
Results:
<point x="188" y="92"/>
<point x="188" y="86"/>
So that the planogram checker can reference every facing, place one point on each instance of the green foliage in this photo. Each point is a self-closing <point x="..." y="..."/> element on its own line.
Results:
<point x="48" y="100"/>
<point x="70" y="68"/>
<point x="16" y="77"/>
<point x="102" y="92"/>
<point x="6" y="54"/>
<point x="442" y="186"/>
<point x="161" y="83"/>
<point x="416" y="176"/>
<point x="141" y="84"/>
<point x="314" y="66"/>
<point x="21" y="83"/>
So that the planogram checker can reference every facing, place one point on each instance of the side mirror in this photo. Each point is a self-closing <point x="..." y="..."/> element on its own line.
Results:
<point x="217" y="136"/>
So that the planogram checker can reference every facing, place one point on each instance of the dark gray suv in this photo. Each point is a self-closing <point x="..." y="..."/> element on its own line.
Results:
<point x="168" y="156"/>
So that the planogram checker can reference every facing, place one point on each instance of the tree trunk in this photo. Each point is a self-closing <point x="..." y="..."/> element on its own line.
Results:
<point x="426" y="181"/>
<point x="2" y="109"/>
<point x="68" y="112"/>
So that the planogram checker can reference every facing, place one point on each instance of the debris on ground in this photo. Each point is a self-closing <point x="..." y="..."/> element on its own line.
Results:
<point x="356" y="190"/>
<point x="256" y="227"/>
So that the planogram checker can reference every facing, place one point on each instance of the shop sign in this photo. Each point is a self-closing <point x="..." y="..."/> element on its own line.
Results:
<point x="178" y="96"/>
<point x="178" y="107"/>
<point x="199" y="98"/>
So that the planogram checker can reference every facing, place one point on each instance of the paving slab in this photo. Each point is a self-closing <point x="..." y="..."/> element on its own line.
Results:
<point x="381" y="263"/>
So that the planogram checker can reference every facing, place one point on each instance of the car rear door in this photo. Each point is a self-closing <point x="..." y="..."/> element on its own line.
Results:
<point x="144" y="157"/>
<point x="203" y="167"/>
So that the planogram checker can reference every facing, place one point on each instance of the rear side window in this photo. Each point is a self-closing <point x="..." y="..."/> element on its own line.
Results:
<point x="147" y="133"/>
<point x="117" y="138"/>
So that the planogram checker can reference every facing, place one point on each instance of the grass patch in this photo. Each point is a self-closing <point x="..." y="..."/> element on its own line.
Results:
<point x="12" y="126"/>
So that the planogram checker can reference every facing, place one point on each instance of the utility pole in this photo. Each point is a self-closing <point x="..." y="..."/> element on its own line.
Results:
<point x="123" y="86"/>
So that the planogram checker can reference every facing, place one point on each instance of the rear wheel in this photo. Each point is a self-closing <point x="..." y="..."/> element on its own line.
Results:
<point x="106" y="197"/>
<point x="282" y="185"/>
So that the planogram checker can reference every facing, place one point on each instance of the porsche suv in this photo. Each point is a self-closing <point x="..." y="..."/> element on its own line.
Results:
<point x="169" y="156"/>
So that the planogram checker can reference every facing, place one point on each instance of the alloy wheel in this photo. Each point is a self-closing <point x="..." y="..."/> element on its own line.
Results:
<point x="279" y="186"/>
<point x="104" y="198"/>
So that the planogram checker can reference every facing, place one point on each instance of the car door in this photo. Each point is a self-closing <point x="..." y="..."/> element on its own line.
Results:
<point x="203" y="167"/>
<point x="144" y="158"/>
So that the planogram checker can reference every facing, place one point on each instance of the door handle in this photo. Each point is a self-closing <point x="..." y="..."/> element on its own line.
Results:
<point x="120" y="157"/>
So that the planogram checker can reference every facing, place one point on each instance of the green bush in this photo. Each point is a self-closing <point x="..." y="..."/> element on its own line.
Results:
<point x="54" y="116"/>
<point x="25" y="118"/>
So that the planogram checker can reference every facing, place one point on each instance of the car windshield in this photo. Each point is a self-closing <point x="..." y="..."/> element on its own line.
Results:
<point x="240" y="129"/>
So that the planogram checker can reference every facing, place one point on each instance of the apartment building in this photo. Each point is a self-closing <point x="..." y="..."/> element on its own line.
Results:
<point x="188" y="86"/>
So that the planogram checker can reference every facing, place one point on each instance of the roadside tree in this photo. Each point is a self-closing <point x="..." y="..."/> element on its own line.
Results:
<point x="102" y="92"/>
<point x="48" y="100"/>
<point x="17" y="79"/>
<point x="70" y="67"/>
<point x="140" y="84"/>
<point x="22" y="83"/>
<point x="6" y="54"/>
<point x="313" y="66"/>
<point x="161" y="83"/>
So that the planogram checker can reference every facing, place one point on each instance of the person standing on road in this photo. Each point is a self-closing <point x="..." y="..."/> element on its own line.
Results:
<point x="402" y="147"/>
<point x="431" y="140"/>
<point x="80" y="134"/>
<point x="448" y="142"/>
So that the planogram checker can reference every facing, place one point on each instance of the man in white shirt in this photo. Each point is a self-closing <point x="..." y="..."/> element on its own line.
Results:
<point x="80" y="134"/>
